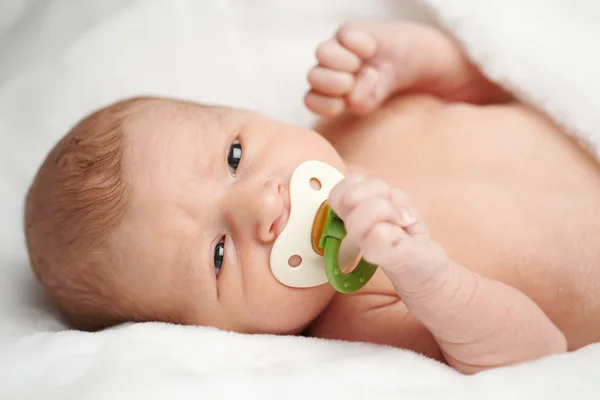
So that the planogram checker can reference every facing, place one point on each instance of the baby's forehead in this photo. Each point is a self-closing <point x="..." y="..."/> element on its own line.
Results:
<point x="170" y="123"/>
<point x="167" y="111"/>
<point x="171" y="145"/>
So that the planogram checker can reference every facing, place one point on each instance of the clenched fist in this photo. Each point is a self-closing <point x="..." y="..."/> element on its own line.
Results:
<point x="390" y="232"/>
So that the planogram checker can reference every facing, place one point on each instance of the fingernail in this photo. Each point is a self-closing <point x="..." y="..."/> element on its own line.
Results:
<point x="371" y="74"/>
<point x="406" y="217"/>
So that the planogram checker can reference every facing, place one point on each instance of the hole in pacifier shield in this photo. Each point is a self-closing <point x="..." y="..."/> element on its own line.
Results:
<point x="315" y="184"/>
<point x="295" y="261"/>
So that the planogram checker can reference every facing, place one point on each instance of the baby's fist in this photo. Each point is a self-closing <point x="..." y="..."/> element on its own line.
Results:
<point x="389" y="231"/>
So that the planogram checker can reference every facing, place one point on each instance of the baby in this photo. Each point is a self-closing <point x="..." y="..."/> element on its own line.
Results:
<point x="154" y="209"/>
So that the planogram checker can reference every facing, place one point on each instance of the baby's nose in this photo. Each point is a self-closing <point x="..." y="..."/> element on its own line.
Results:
<point x="265" y="207"/>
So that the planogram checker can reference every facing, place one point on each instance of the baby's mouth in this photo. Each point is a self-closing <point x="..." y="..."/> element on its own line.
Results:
<point x="293" y="260"/>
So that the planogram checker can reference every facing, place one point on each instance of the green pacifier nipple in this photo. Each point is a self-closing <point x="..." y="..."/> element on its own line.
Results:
<point x="327" y="235"/>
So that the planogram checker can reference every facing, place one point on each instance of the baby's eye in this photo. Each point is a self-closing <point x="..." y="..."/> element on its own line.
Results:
<point x="234" y="156"/>
<point x="219" y="255"/>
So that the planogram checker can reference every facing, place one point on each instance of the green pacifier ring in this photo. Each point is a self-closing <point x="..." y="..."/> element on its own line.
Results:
<point x="331" y="240"/>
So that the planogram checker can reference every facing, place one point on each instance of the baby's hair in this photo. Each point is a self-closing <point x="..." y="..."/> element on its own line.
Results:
<point x="73" y="208"/>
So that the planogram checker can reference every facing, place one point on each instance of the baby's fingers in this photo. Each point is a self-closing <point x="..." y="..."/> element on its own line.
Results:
<point x="380" y="244"/>
<point x="339" y="191"/>
<point x="355" y="191"/>
<point x="367" y="214"/>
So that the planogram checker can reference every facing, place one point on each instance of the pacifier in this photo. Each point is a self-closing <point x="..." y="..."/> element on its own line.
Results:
<point x="310" y="249"/>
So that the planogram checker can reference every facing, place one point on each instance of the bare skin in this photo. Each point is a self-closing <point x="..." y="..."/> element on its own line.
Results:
<point x="482" y="214"/>
<point x="505" y="270"/>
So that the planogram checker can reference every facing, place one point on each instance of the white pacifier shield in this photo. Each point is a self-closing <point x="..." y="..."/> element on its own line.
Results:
<point x="295" y="239"/>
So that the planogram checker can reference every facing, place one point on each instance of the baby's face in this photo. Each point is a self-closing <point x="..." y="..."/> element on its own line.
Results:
<point x="209" y="196"/>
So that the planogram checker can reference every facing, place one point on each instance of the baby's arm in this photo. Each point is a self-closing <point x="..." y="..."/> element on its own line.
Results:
<point x="368" y="62"/>
<point x="478" y="323"/>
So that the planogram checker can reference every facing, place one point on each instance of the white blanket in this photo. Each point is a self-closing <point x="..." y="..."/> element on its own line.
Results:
<point x="59" y="59"/>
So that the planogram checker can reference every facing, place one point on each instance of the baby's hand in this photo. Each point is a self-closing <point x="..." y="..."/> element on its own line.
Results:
<point x="390" y="233"/>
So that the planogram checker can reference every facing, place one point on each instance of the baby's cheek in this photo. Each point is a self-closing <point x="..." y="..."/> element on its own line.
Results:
<point x="275" y="308"/>
<point x="299" y="145"/>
